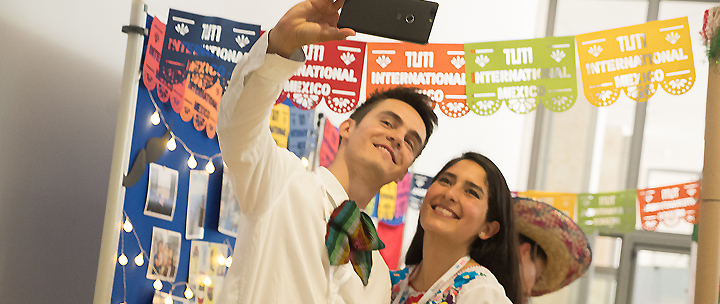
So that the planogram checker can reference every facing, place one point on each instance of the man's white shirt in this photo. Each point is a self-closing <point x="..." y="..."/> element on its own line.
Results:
<point x="280" y="254"/>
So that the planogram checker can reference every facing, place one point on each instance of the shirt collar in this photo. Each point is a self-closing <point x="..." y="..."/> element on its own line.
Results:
<point x="333" y="187"/>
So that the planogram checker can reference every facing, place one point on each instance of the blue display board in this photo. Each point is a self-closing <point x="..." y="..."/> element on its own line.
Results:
<point x="130" y="284"/>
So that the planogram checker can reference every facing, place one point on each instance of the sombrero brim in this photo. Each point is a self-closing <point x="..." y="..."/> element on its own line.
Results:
<point x="564" y="243"/>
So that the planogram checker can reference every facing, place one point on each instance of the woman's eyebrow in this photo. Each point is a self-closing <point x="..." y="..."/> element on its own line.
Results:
<point x="473" y="185"/>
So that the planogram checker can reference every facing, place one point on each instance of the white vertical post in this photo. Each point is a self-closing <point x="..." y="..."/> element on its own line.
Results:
<point x="120" y="158"/>
<point x="693" y="270"/>
<point x="707" y="276"/>
<point x="315" y="157"/>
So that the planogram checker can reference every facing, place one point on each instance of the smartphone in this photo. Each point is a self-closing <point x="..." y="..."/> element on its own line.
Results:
<point x="406" y="20"/>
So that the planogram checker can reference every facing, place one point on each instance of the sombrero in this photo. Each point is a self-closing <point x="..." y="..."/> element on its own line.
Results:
<point x="565" y="245"/>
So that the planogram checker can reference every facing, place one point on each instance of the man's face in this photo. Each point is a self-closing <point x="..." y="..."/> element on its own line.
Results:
<point x="530" y="271"/>
<point x="386" y="141"/>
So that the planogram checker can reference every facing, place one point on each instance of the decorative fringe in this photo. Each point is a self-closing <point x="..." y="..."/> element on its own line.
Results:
<point x="713" y="47"/>
<point x="709" y="33"/>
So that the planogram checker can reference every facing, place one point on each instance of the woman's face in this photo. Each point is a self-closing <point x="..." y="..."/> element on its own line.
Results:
<point x="456" y="204"/>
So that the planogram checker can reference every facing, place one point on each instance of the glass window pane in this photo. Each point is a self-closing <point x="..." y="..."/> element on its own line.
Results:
<point x="606" y="252"/>
<point x="661" y="277"/>
<point x="565" y="153"/>
<point x="570" y="21"/>
<point x="673" y="142"/>
<point x="614" y="124"/>
<point x="603" y="291"/>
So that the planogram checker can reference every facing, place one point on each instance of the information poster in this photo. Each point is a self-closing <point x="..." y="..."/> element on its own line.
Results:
<point x="371" y="208"/>
<point x="386" y="202"/>
<point x="669" y="205"/>
<point x="611" y="212"/>
<point x="392" y="237"/>
<point x="301" y="139"/>
<point x="520" y="74"/>
<point x="332" y="74"/>
<point x="399" y="205"/>
<point x="437" y="69"/>
<point x="280" y="124"/>
<point x="418" y="188"/>
<point x="329" y="145"/>
<point x="635" y="60"/>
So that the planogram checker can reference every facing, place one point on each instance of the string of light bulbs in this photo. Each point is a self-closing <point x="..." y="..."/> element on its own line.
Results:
<point x="158" y="284"/>
<point x="157" y="117"/>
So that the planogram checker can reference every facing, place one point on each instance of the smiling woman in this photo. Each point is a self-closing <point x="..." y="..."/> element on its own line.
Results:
<point x="465" y="245"/>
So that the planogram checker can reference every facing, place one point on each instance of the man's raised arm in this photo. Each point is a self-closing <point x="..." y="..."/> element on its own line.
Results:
<point x="256" y="164"/>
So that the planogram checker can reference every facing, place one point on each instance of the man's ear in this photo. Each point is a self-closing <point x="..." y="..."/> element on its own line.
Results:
<point x="489" y="229"/>
<point x="346" y="128"/>
<point x="524" y="249"/>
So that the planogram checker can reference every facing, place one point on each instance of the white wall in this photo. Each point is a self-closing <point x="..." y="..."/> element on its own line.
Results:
<point x="59" y="88"/>
<point x="60" y="69"/>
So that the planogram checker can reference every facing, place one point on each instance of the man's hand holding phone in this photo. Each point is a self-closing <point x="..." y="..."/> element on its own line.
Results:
<point x="308" y="22"/>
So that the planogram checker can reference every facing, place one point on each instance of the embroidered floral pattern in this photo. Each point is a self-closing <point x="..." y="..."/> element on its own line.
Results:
<point x="462" y="279"/>
<point x="446" y="295"/>
<point x="398" y="275"/>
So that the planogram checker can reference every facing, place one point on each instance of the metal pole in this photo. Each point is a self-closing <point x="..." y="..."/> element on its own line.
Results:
<point x="627" y="262"/>
<point x="315" y="157"/>
<point x="120" y="158"/>
<point x="636" y="141"/>
<point x="540" y="112"/>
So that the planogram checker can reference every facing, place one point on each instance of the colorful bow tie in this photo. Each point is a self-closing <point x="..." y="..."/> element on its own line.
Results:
<point x="351" y="236"/>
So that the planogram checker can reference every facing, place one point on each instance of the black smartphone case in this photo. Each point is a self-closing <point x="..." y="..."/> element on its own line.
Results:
<point x="406" y="20"/>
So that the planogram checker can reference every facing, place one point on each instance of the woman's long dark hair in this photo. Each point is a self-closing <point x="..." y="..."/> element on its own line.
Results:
<point x="499" y="252"/>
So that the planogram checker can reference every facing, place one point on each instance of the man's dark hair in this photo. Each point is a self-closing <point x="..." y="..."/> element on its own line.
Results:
<point x="499" y="252"/>
<point x="412" y="96"/>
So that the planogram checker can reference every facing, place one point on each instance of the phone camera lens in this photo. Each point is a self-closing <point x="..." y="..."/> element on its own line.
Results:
<point x="410" y="19"/>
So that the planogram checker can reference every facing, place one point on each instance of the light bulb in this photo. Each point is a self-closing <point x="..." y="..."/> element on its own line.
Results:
<point x="192" y="163"/>
<point x="305" y="161"/>
<point x="139" y="259"/>
<point x="221" y="260"/>
<point x="228" y="261"/>
<point x="155" y="118"/>
<point x="122" y="259"/>
<point x="210" y="168"/>
<point x="168" y="300"/>
<point x="171" y="145"/>
<point x="127" y="226"/>
<point x="157" y="285"/>
<point x="208" y="281"/>
<point x="188" y="293"/>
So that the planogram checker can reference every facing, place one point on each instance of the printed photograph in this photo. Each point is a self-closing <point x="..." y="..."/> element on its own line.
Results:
<point x="229" y="208"/>
<point x="197" y="201"/>
<point x="164" y="255"/>
<point x="162" y="192"/>
<point x="206" y="270"/>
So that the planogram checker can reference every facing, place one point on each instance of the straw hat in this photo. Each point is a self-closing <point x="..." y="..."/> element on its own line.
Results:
<point x="565" y="245"/>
